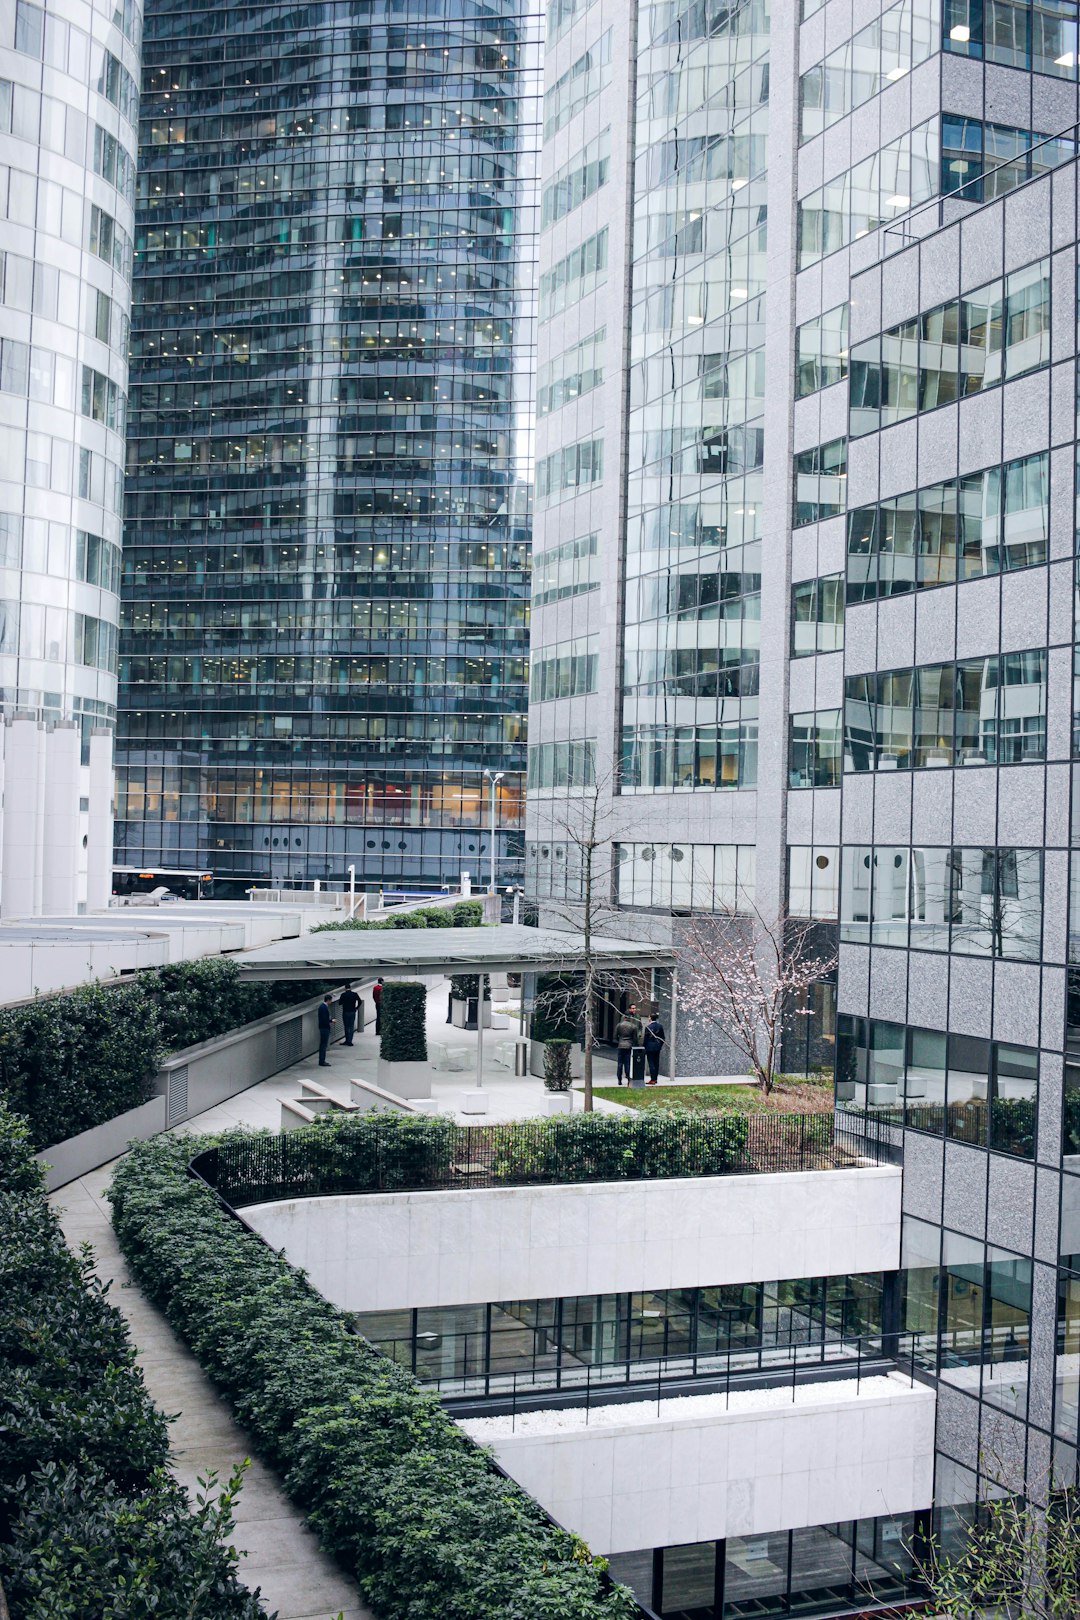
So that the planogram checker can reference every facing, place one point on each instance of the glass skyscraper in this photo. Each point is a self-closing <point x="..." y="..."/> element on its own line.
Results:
<point x="329" y="456"/>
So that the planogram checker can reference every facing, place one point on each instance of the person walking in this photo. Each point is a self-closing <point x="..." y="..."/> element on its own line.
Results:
<point x="349" y="1002"/>
<point x="653" y="1040"/>
<point x="326" y="1024"/>
<point x="376" y="996"/>
<point x="627" y="1036"/>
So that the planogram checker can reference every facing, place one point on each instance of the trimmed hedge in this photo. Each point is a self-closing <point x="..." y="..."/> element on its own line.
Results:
<point x="464" y="914"/>
<point x="69" y="1062"/>
<point x="397" y="1492"/>
<point x="91" y="1522"/>
<point x="636" y="1146"/>
<point x="403" y="1017"/>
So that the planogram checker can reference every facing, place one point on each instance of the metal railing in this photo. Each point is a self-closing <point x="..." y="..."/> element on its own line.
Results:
<point x="402" y="1153"/>
<point x="577" y="1382"/>
<point x="860" y="1355"/>
<point x="901" y="235"/>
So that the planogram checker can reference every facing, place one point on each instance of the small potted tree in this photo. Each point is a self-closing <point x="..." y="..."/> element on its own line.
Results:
<point x="403" y="1055"/>
<point x="557" y="1078"/>
<point x="557" y="1013"/>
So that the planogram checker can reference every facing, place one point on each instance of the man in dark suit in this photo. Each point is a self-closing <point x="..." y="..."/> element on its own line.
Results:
<point x="326" y="1024"/>
<point x="348" y="1001"/>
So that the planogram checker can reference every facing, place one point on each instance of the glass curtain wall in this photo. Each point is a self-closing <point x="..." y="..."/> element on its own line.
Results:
<point x="326" y="569"/>
<point x="696" y="425"/>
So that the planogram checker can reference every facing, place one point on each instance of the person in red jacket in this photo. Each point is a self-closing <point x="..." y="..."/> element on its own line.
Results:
<point x="376" y="996"/>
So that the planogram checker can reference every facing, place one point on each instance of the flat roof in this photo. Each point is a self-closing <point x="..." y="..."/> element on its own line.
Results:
<point x="502" y="948"/>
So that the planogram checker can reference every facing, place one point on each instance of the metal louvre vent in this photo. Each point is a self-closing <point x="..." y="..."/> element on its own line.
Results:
<point x="176" y="1105"/>
<point x="290" y="1042"/>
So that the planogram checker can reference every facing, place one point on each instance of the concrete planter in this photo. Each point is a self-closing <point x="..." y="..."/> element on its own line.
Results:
<point x="459" y="1014"/>
<point x="69" y="1160"/>
<point x="558" y="1102"/>
<point x="190" y="1081"/>
<point x="409" y="1080"/>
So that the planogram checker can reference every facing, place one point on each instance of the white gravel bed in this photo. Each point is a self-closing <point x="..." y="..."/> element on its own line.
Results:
<point x="676" y="1408"/>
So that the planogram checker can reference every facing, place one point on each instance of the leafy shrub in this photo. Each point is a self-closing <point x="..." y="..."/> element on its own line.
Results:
<point x="408" y="919"/>
<point x="468" y="914"/>
<point x="403" y="1012"/>
<point x="86" y="1502"/>
<point x="557" y="1076"/>
<point x="69" y="1062"/>
<point x="634" y="1147"/>
<point x="352" y="925"/>
<point x="407" y="1502"/>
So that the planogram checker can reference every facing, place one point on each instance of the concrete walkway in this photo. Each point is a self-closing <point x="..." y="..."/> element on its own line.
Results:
<point x="281" y="1556"/>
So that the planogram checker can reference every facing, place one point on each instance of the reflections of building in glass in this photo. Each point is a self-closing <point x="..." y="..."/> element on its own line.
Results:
<point x="329" y="449"/>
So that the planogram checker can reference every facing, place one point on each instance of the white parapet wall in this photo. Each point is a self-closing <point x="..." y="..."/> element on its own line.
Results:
<point x="699" y="1470"/>
<point x="390" y="1251"/>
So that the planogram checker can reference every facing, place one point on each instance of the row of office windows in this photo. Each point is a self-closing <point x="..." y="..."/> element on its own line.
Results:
<point x="569" y="569"/>
<point x="817" y="615"/>
<point x="820" y="482"/>
<point x="580" y="177"/>
<point x="581" y="83"/>
<point x="881" y="53"/>
<point x="971" y="900"/>
<point x="685" y="877"/>
<point x="57" y="636"/>
<point x="954" y="350"/>
<point x="821" y="351"/>
<point x="977" y="1091"/>
<point x="57" y="211"/>
<point x="962" y="528"/>
<point x="56" y="127"/>
<point x="977" y="711"/>
<point x="46" y="462"/>
<point x="579" y="272"/>
<point x="555" y="766"/>
<point x="42" y="289"/>
<point x="874" y="192"/>
<point x="1037" y="35"/>
<point x="670" y="758"/>
<point x="568" y="469"/>
<point x="578" y="370"/>
<point x="756" y="1324"/>
<point x="48" y="38"/>
<point x="40" y="547"/>
<point x="567" y="669"/>
<point x="983" y="161"/>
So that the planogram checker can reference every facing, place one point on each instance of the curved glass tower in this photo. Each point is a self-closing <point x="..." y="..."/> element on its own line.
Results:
<point x="68" y="115"/>
<point x="326" y="573"/>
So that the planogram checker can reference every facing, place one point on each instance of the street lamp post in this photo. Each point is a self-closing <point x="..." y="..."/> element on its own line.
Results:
<point x="494" y="777"/>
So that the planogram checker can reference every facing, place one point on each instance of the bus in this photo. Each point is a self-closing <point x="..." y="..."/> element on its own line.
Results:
<point x="184" y="885"/>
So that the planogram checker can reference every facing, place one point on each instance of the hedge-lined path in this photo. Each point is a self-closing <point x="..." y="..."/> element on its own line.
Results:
<point x="297" y="1577"/>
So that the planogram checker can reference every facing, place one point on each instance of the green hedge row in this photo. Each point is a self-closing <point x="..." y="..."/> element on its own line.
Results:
<point x="403" y="1014"/>
<point x="69" y="1062"/>
<point x="91" y="1522"/>
<point x="396" y="1491"/>
<point x="465" y="914"/>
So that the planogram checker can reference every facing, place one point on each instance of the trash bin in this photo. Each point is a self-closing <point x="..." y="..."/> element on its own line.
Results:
<point x="637" y="1065"/>
<point x="521" y="1057"/>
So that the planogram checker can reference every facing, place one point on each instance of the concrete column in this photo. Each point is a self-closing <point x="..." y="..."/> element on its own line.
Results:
<point x="60" y="839"/>
<point x="99" y="847"/>
<point x="24" y="780"/>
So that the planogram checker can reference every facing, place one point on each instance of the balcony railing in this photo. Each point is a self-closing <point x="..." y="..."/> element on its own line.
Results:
<point x="378" y="1153"/>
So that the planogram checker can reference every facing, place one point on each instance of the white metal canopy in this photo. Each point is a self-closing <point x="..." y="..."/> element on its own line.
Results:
<point x="503" y="948"/>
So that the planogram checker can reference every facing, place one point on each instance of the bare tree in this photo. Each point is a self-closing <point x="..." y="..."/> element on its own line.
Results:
<point x="588" y="825"/>
<point x="1016" y="1559"/>
<point x="740" y="971"/>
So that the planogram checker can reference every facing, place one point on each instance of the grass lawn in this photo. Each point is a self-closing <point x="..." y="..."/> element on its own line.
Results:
<point x="789" y="1096"/>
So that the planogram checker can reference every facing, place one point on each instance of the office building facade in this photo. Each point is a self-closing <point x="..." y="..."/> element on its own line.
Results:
<point x="327" y="495"/>
<point x="68" y="119"/>
<point x="821" y="658"/>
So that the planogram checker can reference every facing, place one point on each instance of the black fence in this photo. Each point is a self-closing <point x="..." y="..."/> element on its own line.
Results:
<point x="403" y="1153"/>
